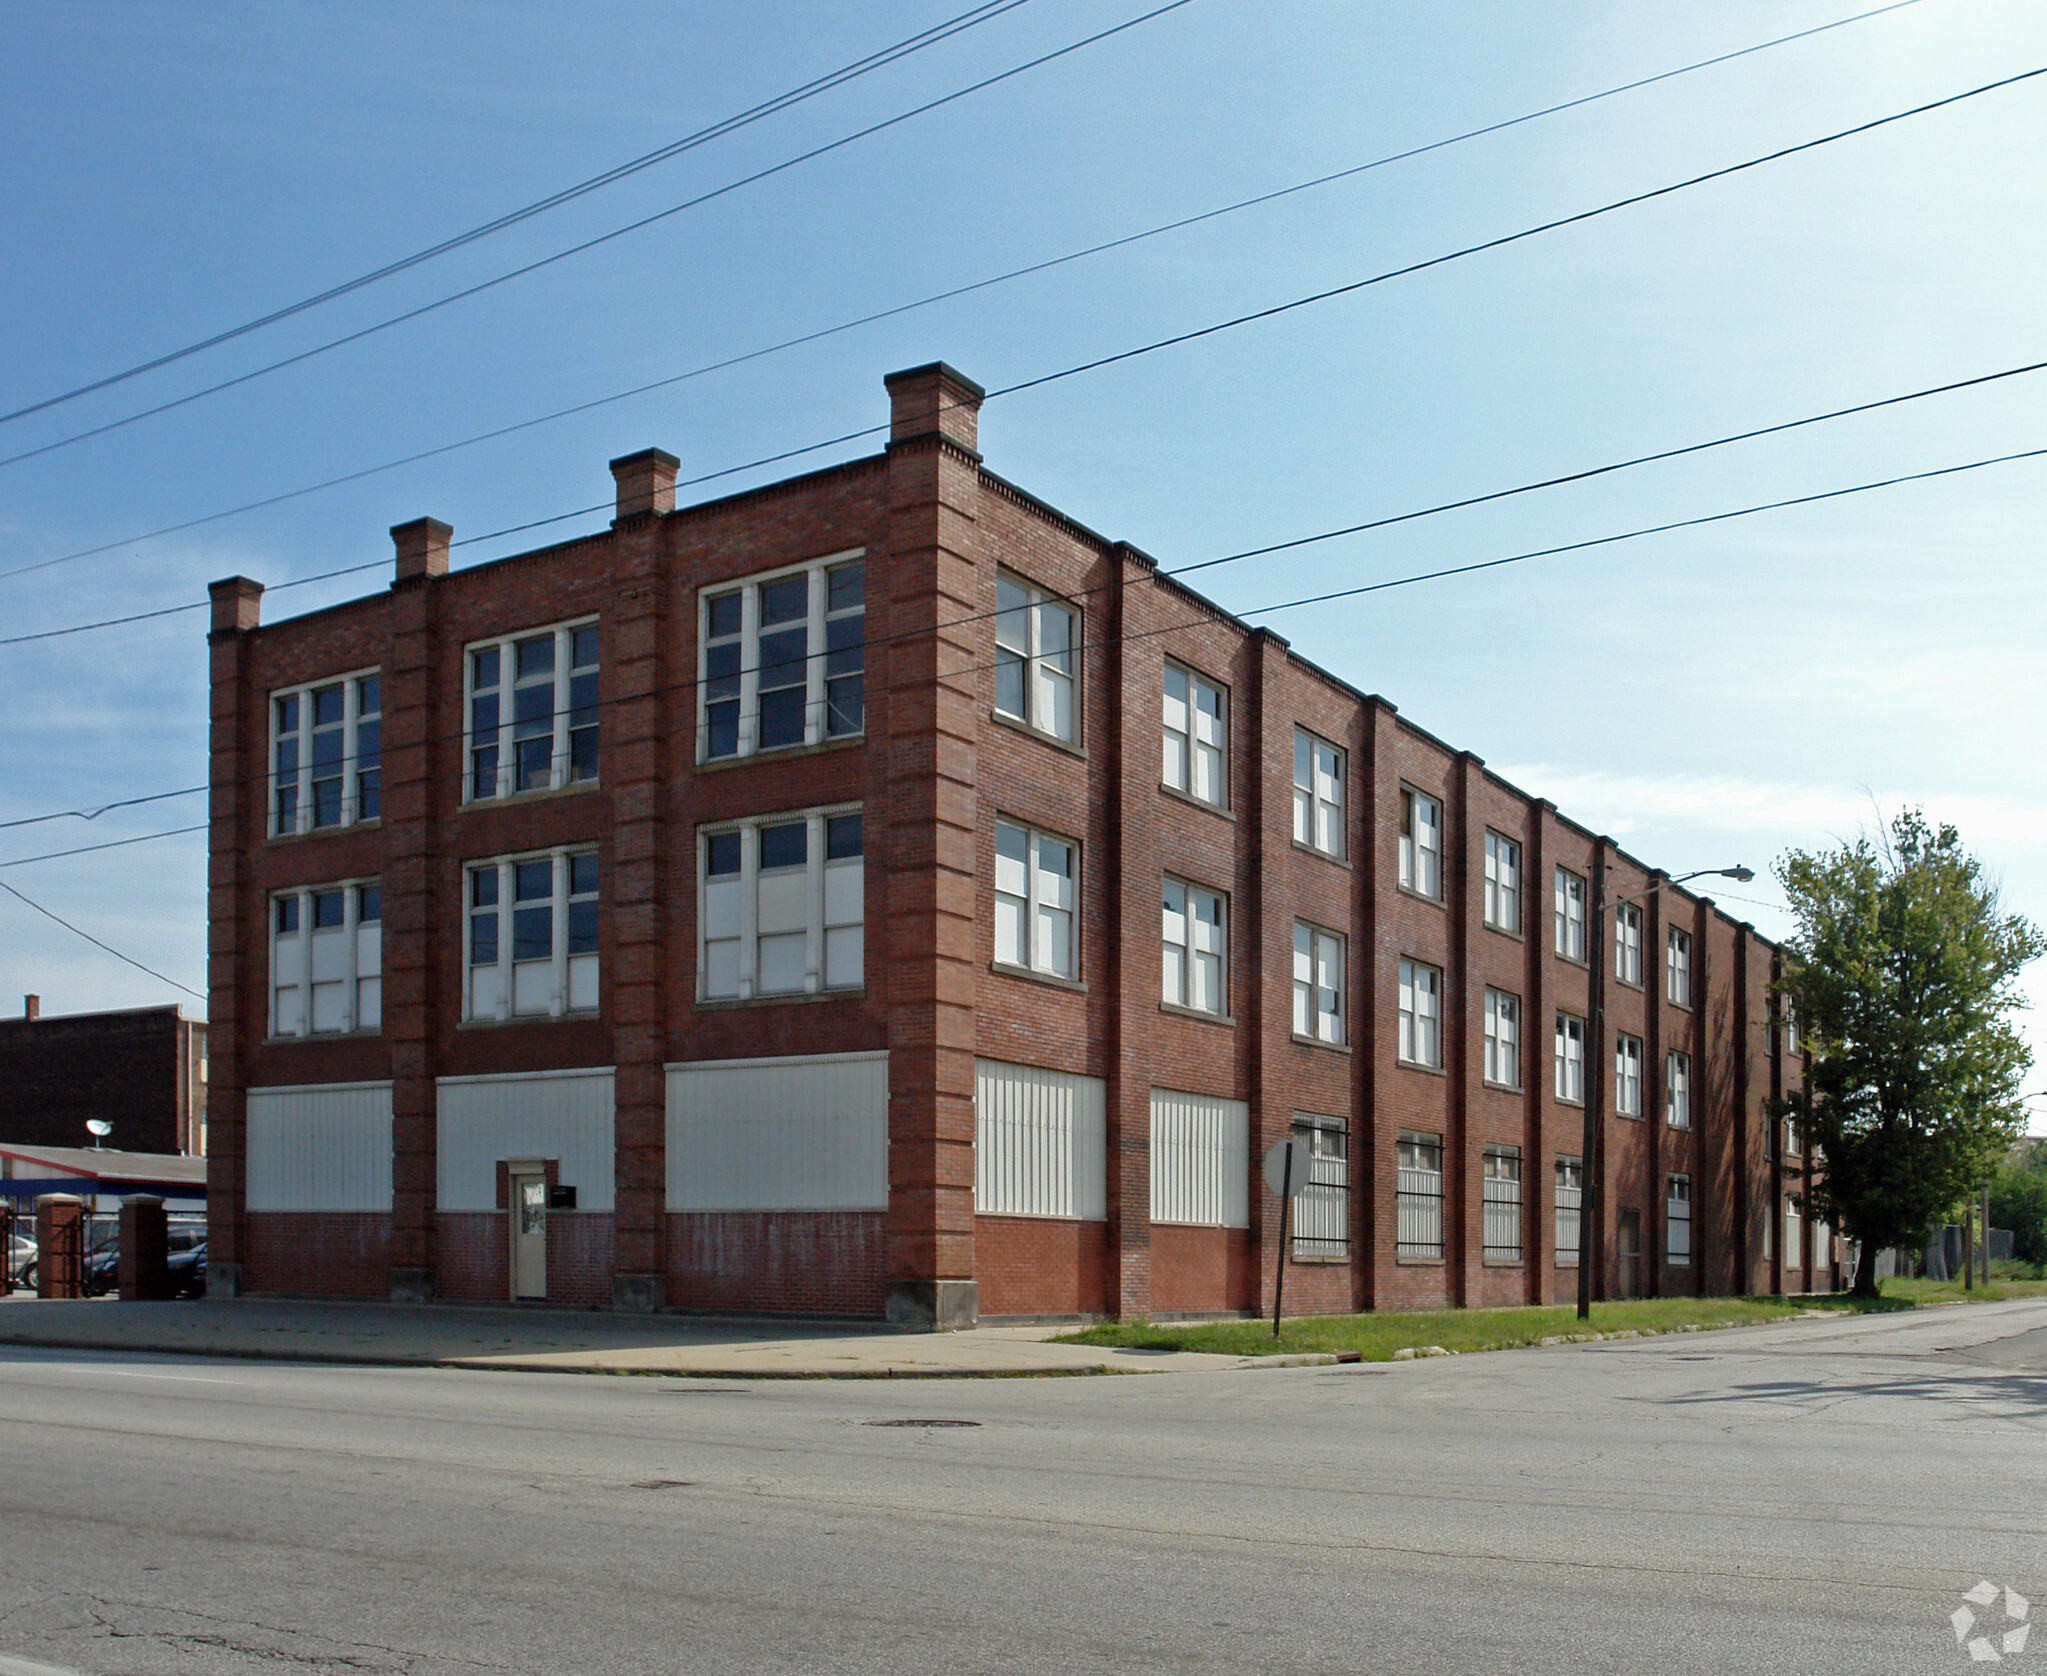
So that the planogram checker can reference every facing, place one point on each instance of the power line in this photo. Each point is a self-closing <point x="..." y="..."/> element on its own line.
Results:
<point x="96" y="943"/>
<point x="1034" y="267"/>
<point x="980" y="14"/>
<point x="601" y="239"/>
<point x="105" y="808"/>
<point x="118" y="843"/>
<point x="1124" y="355"/>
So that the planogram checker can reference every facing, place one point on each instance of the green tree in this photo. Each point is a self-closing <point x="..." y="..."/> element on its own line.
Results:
<point x="1903" y="974"/>
<point x="2018" y="1201"/>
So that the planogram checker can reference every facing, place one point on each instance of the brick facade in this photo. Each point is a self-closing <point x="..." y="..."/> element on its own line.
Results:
<point x="142" y="1069"/>
<point x="933" y="770"/>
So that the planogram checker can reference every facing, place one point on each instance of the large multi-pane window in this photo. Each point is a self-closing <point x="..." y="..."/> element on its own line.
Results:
<point x="1627" y="943"/>
<point x="1502" y="883"/>
<point x="1794" y="1234"/>
<point x="1570" y="1200"/>
<point x="326" y="959"/>
<point x="1502" y="1204"/>
<point x="326" y="754"/>
<point x="533" y="711"/>
<point x="1570" y="1058"/>
<point x="1627" y="1075"/>
<point x="1677" y="1089"/>
<point x="784" y="660"/>
<point x="1318" y="794"/>
<point x="1570" y="914"/>
<point x="1502" y="1038"/>
<point x="1677" y="967"/>
<point x="1322" y="1208"/>
<point x="784" y="906"/>
<point x="1421" y="843"/>
<point x="533" y="935"/>
<point x="1421" y="1013"/>
<point x="1196" y="736"/>
<point x="1318" y="983"/>
<point x="1418" y="1198"/>
<point x="1037" y="888"/>
<point x="1789" y="1021"/>
<point x="1195" y="936"/>
<point x="1037" y="650"/>
<point x="1677" y="1222"/>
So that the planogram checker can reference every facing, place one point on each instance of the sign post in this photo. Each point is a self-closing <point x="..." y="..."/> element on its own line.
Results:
<point x="1286" y="1165"/>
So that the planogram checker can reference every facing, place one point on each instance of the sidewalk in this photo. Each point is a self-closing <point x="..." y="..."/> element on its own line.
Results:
<point x="561" y="1341"/>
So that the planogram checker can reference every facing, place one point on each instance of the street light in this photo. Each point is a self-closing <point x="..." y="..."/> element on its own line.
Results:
<point x="1595" y="1090"/>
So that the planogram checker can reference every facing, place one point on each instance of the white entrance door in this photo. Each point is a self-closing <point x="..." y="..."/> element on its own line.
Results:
<point x="529" y="1236"/>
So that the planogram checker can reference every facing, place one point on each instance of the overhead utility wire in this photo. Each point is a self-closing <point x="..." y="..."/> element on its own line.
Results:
<point x="115" y="844"/>
<point x="1034" y="267"/>
<point x="591" y="244"/>
<point x="980" y="14"/>
<point x="689" y="684"/>
<point x="96" y="943"/>
<point x="1583" y="475"/>
<point x="104" y="808"/>
<point x="1086" y="366"/>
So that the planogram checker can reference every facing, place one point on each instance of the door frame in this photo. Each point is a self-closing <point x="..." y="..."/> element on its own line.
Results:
<point x="515" y="1169"/>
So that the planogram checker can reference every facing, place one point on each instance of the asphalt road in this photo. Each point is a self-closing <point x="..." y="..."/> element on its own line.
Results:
<point x="1806" y="1498"/>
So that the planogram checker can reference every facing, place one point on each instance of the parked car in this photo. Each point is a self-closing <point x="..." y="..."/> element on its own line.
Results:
<point x="21" y="1261"/>
<point x="103" y="1264"/>
<point x="188" y="1271"/>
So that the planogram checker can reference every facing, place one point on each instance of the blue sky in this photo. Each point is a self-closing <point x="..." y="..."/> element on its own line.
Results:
<point x="1708" y="697"/>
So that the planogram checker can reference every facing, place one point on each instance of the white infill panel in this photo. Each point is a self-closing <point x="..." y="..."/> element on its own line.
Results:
<point x="537" y="1114"/>
<point x="1040" y="1142"/>
<point x="320" y="1147"/>
<point x="804" y="1132"/>
<point x="1200" y="1159"/>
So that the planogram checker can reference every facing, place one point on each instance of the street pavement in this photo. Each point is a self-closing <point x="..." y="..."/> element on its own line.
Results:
<point x="1813" y="1497"/>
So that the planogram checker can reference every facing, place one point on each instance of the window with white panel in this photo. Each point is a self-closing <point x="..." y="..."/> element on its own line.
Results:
<point x="1502" y="1212"/>
<point x="1421" y="1014"/>
<point x="532" y="716"/>
<point x="784" y="660"/>
<point x="1502" y="883"/>
<point x="782" y="905"/>
<point x="1037" y="652"/>
<point x="326" y="754"/>
<point x="1196" y="948"/>
<point x="533" y="934"/>
<point x="1318" y="794"/>
<point x="1677" y="1221"/>
<point x="1570" y="914"/>
<point x="1502" y="1038"/>
<point x="1318" y="983"/>
<point x="327" y="959"/>
<point x="1627" y="1075"/>
<point x="1421" y="843"/>
<point x="1037" y="887"/>
<point x="1196" y="734"/>
<point x="1678" y="967"/>
<point x="1627" y="943"/>
<point x="1570" y="1203"/>
<point x="1570" y="1058"/>
<point x="1677" y="1089"/>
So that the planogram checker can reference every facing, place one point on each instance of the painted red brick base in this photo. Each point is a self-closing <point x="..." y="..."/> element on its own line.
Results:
<point x="1035" y="1265"/>
<point x="1201" y="1269"/>
<point x="475" y="1257"/>
<point x="335" y="1254"/>
<point x="794" y="1262"/>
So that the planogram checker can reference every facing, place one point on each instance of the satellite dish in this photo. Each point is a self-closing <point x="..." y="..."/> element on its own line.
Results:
<point x="99" y="1128"/>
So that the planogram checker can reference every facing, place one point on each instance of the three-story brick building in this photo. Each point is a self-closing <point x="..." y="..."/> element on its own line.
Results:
<point x="877" y="894"/>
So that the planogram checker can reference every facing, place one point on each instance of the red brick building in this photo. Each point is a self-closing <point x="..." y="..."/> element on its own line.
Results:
<point x="878" y="894"/>
<point x="141" y="1070"/>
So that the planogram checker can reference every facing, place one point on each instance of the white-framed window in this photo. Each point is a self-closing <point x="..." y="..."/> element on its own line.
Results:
<point x="1418" y="1196"/>
<point x="326" y="754"/>
<point x="1421" y="843"/>
<point x="1037" y="886"/>
<point x="1196" y="736"/>
<point x="327" y="959"/>
<point x="532" y="717"/>
<point x="1570" y="914"/>
<point x="1570" y="1200"/>
<point x="784" y="905"/>
<point x="1794" y="1234"/>
<point x="1196" y="948"/>
<point x="1318" y="983"/>
<point x="1502" y="1204"/>
<point x="1677" y="967"/>
<point x="1789" y="1021"/>
<point x="1792" y="1147"/>
<point x="1502" y="1038"/>
<point x="1421" y="1013"/>
<point x="784" y="659"/>
<point x="1570" y="1058"/>
<point x="1677" y="1222"/>
<point x="1318" y="794"/>
<point x="1627" y="943"/>
<point x="1502" y="883"/>
<point x="1322" y="1209"/>
<point x="1037" y="649"/>
<point x="1627" y="1075"/>
<point x="532" y="935"/>
<point x="1677" y="1089"/>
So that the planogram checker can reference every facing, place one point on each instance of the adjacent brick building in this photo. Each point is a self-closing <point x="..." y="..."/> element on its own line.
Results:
<point x="142" y="1070"/>
<point x="878" y="894"/>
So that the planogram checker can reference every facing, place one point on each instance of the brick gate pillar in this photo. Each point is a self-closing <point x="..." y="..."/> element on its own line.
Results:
<point x="927" y="579"/>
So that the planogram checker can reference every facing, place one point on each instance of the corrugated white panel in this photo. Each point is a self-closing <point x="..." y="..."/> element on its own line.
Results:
<point x="322" y="1147"/>
<point x="805" y="1132"/>
<point x="541" y="1114"/>
<point x="1200" y="1159"/>
<point x="1040" y="1142"/>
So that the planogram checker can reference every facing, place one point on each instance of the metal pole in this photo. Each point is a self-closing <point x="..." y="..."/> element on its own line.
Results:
<point x="1986" y="1233"/>
<point x="1286" y="1203"/>
<point x="1595" y="1083"/>
<point x="1969" y="1243"/>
